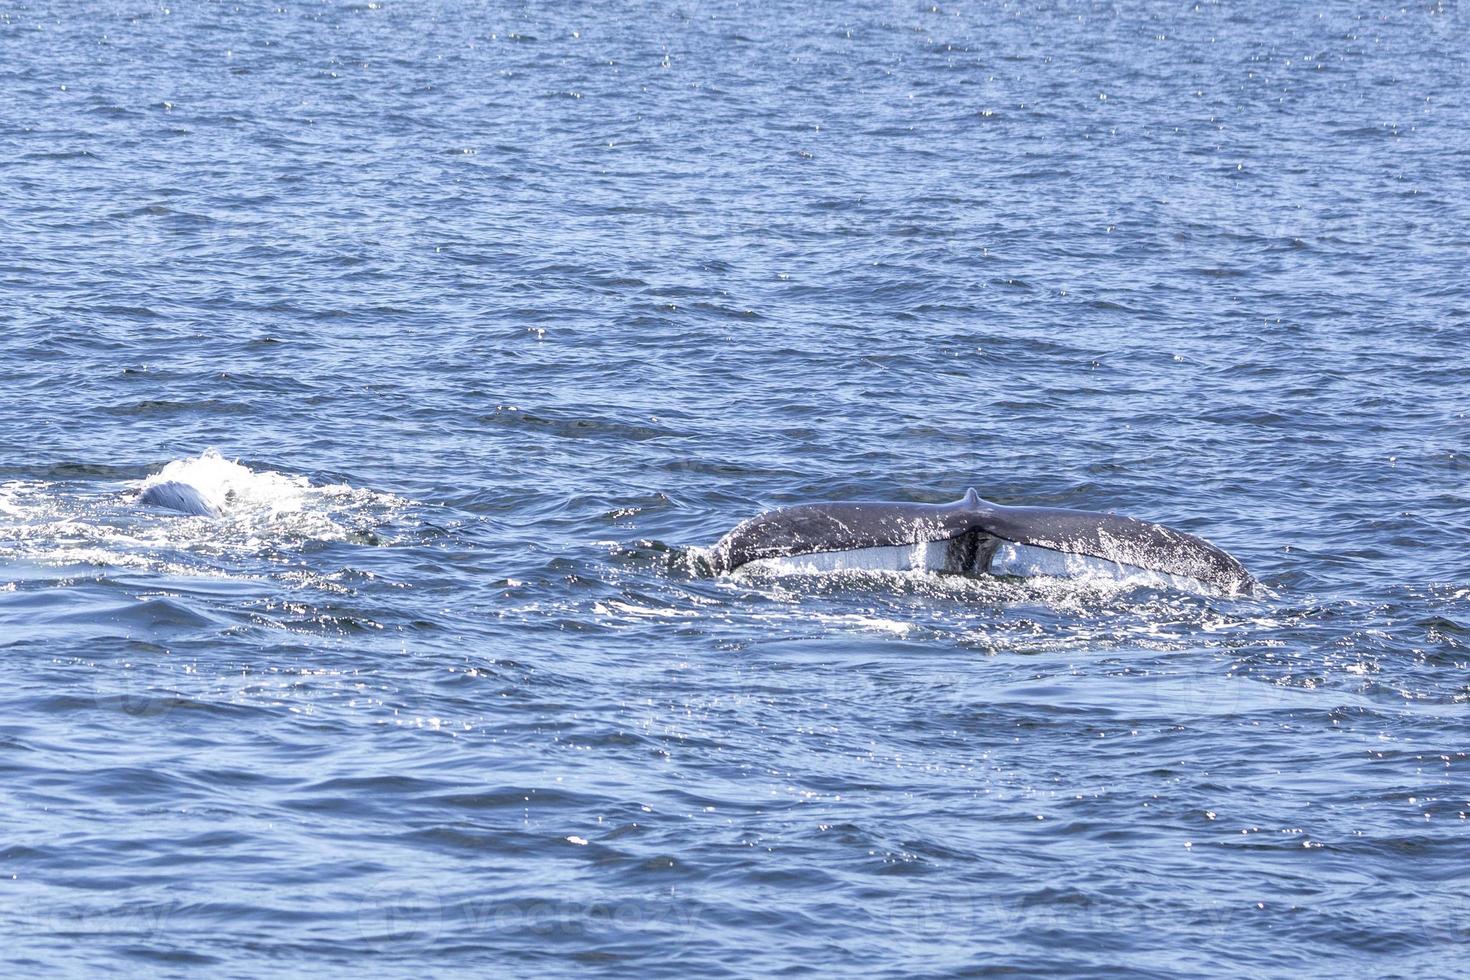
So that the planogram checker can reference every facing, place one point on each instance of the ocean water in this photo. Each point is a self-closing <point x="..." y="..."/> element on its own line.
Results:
<point x="481" y="318"/>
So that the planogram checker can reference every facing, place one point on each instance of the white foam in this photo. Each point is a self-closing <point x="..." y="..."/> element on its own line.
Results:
<point x="230" y="486"/>
<point x="265" y="517"/>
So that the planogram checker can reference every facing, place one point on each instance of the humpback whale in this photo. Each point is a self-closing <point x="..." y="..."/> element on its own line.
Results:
<point x="973" y="536"/>
<point x="179" y="496"/>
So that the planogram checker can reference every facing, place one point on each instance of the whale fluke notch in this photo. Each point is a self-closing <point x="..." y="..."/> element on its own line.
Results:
<point x="174" y="495"/>
<point x="977" y="528"/>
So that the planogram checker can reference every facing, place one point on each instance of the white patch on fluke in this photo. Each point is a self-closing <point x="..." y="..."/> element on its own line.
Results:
<point x="927" y="557"/>
<point x="1029" y="561"/>
<point x="1010" y="560"/>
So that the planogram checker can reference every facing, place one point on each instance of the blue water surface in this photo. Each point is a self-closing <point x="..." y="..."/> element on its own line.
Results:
<point x="494" y="313"/>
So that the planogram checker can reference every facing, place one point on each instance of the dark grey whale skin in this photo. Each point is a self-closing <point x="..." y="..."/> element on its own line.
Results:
<point x="181" y="497"/>
<point x="977" y="527"/>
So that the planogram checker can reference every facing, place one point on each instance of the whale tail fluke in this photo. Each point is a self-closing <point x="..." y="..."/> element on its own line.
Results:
<point x="975" y="536"/>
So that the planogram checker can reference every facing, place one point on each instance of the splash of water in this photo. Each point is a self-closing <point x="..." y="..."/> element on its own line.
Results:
<point x="230" y="486"/>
